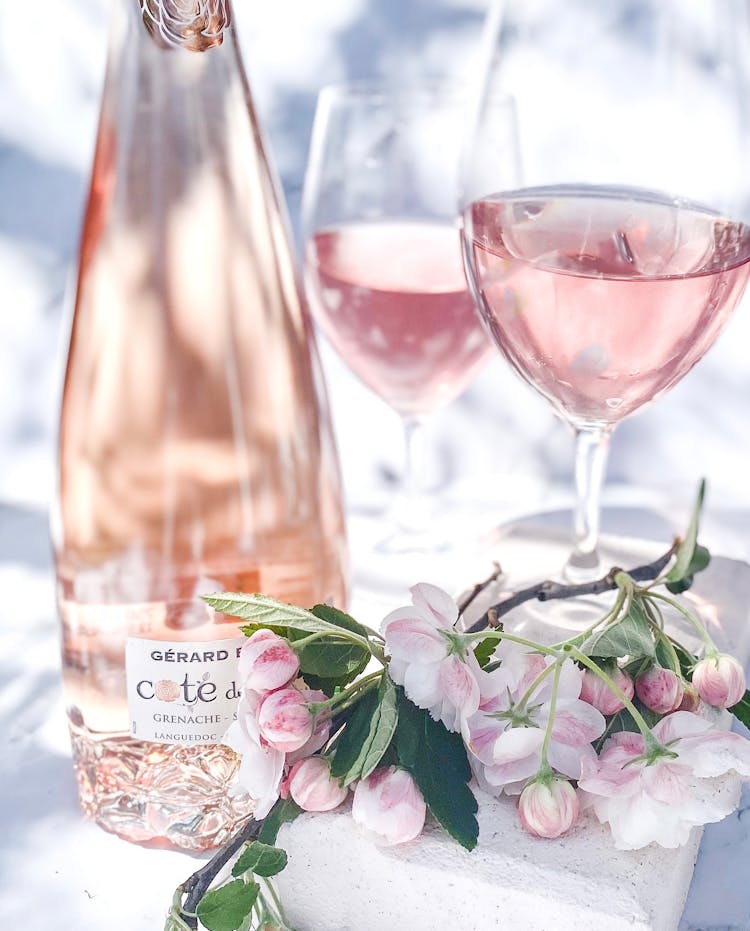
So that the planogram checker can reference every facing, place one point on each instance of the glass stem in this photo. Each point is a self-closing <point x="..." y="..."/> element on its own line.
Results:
<point x="410" y="512"/>
<point x="592" y="448"/>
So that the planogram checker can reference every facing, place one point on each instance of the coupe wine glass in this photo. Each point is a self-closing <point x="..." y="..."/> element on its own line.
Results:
<point x="610" y="272"/>
<point x="382" y="260"/>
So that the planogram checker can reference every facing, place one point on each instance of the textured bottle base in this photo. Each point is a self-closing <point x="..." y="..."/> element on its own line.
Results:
<point x="176" y="793"/>
<point x="158" y="793"/>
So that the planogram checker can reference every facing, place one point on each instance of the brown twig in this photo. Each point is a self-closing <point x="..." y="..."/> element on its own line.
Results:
<point x="479" y="588"/>
<point x="197" y="885"/>
<point x="551" y="591"/>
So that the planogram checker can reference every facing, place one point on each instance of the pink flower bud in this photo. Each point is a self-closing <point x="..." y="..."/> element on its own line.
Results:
<point x="720" y="680"/>
<point x="659" y="689"/>
<point x="319" y="736"/>
<point x="548" y="808"/>
<point x="267" y="662"/>
<point x="389" y="805"/>
<point x="601" y="696"/>
<point x="284" y="719"/>
<point x="312" y="786"/>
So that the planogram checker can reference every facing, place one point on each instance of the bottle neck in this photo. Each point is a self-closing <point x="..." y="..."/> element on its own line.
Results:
<point x="195" y="25"/>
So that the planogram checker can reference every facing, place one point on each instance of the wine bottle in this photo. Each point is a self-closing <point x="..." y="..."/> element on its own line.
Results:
<point x="195" y="447"/>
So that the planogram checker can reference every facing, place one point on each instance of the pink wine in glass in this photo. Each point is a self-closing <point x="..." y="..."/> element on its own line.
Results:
<point x="603" y="298"/>
<point x="392" y="299"/>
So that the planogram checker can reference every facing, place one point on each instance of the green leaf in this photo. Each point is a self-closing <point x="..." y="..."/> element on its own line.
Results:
<point x="285" y="810"/>
<point x="436" y="759"/>
<point x="484" y="650"/>
<point x="331" y="658"/>
<point x="367" y="734"/>
<point x="225" y="908"/>
<point x="688" y="662"/>
<point x="663" y="656"/>
<point x="741" y="710"/>
<point x="338" y="619"/>
<point x="382" y="728"/>
<point x="686" y="549"/>
<point x="348" y="662"/>
<point x="352" y="738"/>
<point x="261" y="859"/>
<point x="630" y="636"/>
<point x="701" y="559"/>
<point x="677" y="588"/>
<point x="635" y="667"/>
<point x="263" y="611"/>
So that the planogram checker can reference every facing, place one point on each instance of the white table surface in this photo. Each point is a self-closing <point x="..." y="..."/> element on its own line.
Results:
<point x="497" y="451"/>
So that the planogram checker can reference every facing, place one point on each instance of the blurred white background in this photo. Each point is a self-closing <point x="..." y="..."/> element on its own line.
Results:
<point x="498" y="445"/>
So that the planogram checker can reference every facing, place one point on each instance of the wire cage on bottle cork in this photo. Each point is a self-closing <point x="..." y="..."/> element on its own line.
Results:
<point x="195" y="25"/>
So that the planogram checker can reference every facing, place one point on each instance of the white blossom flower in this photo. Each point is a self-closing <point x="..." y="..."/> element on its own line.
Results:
<point x="505" y="736"/>
<point x="427" y="658"/>
<point x="660" y="800"/>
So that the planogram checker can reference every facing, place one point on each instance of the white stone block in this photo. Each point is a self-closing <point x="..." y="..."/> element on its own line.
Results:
<point x="337" y="880"/>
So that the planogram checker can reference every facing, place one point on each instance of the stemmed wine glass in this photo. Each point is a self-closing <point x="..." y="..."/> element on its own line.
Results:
<point x="609" y="273"/>
<point x="382" y="260"/>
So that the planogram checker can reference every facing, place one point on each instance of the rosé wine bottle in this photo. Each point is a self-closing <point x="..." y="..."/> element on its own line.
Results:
<point x="195" y="447"/>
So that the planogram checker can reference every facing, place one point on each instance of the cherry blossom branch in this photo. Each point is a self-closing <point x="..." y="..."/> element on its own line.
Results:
<point x="480" y="587"/>
<point x="552" y="591"/>
<point x="197" y="885"/>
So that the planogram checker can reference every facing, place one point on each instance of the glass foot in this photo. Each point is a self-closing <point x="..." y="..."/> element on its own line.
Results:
<point x="386" y="563"/>
<point x="536" y="549"/>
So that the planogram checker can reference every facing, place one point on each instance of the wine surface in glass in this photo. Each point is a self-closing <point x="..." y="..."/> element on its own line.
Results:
<point x="603" y="298"/>
<point x="392" y="298"/>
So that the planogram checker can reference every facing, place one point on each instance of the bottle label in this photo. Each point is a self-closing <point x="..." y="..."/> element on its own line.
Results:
<point x="182" y="692"/>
